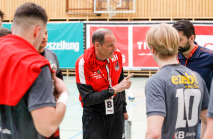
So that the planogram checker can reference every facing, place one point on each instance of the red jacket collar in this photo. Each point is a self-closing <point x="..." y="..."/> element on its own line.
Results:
<point x="90" y="59"/>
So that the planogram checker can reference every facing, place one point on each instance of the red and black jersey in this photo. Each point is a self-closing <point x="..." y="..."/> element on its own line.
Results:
<point x="92" y="77"/>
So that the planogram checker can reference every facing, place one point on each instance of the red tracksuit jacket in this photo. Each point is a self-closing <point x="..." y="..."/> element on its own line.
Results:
<point x="92" y="82"/>
<point x="20" y="66"/>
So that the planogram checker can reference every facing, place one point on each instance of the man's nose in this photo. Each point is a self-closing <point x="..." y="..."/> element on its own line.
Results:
<point x="45" y="36"/>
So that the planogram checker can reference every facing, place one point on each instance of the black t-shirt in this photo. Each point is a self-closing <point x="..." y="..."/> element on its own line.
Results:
<point x="16" y="121"/>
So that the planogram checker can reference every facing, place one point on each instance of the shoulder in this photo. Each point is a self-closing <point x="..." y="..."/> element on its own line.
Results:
<point x="117" y="56"/>
<point x="156" y="80"/>
<point x="49" y="51"/>
<point x="45" y="70"/>
<point x="43" y="78"/>
<point x="80" y="61"/>
<point x="198" y="77"/>
<point x="205" y="51"/>
<point x="162" y="76"/>
<point x="117" y="52"/>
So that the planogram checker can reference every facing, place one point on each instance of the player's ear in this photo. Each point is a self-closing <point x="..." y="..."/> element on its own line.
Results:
<point x="152" y="50"/>
<point x="36" y="31"/>
<point x="192" y="39"/>
<point x="96" y="45"/>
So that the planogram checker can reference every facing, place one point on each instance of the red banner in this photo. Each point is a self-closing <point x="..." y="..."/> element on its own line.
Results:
<point x="121" y="35"/>
<point x="141" y="53"/>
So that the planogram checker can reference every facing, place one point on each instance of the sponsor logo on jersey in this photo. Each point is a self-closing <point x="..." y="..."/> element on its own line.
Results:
<point x="183" y="135"/>
<point x="96" y="74"/>
<point x="62" y="45"/>
<point x="116" y="66"/>
<point x="190" y="81"/>
<point x="51" y="61"/>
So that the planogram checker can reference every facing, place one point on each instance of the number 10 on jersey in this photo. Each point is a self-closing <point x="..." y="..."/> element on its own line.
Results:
<point x="184" y="100"/>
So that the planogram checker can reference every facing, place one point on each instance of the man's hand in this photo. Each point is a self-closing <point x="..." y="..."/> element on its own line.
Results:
<point x="59" y="86"/>
<point x="126" y="116"/>
<point x="124" y="84"/>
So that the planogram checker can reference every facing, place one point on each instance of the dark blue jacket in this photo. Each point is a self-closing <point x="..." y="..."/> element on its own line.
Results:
<point x="201" y="62"/>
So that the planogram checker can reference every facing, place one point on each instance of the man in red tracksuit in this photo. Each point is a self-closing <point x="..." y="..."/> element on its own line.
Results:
<point x="100" y="81"/>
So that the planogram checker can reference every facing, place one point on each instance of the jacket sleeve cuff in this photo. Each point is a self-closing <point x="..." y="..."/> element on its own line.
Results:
<point x="124" y="109"/>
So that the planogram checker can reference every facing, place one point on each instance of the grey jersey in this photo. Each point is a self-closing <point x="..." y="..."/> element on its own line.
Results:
<point x="51" y="57"/>
<point x="210" y="108"/>
<point x="16" y="121"/>
<point x="178" y="94"/>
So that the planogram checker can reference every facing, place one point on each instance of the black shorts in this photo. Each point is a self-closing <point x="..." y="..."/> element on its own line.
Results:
<point x="103" y="127"/>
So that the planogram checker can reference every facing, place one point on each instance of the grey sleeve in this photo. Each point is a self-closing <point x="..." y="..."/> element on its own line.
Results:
<point x="57" y="63"/>
<point x="205" y="101"/>
<point x="155" y="98"/>
<point x="210" y="108"/>
<point x="41" y="92"/>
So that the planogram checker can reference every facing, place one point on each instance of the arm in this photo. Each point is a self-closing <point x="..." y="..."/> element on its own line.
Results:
<point x="88" y="96"/>
<point x="203" y="113"/>
<point x="204" y="122"/>
<point x="155" y="108"/>
<point x="208" y="134"/>
<point x="59" y="73"/>
<point x="126" y="117"/>
<point x="47" y="119"/>
<point x="154" y="127"/>
<point x="123" y="92"/>
<point x="45" y="116"/>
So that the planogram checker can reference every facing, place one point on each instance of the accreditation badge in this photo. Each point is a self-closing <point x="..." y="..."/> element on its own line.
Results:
<point x="109" y="106"/>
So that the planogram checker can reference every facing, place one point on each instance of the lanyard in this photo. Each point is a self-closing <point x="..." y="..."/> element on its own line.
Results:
<point x="190" y="55"/>
<point x="108" y="68"/>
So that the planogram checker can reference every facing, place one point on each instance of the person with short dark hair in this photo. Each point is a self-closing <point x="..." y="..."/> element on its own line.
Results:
<point x="175" y="96"/>
<point x="4" y="31"/>
<point x="193" y="56"/>
<point x="27" y="106"/>
<point x="101" y="86"/>
<point x="1" y="17"/>
<point x="52" y="58"/>
<point x="49" y="55"/>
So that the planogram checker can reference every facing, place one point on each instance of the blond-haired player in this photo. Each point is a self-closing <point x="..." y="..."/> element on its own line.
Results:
<point x="175" y="96"/>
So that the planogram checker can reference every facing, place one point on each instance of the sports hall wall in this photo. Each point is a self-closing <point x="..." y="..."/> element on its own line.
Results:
<point x="144" y="10"/>
<point x="136" y="55"/>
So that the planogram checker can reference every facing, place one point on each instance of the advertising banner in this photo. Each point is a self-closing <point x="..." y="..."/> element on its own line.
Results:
<point x="66" y="40"/>
<point x="204" y="35"/>
<point x="131" y="41"/>
<point x="121" y="35"/>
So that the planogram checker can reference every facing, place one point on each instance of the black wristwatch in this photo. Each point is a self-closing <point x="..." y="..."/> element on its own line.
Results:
<point x="111" y="90"/>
